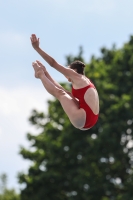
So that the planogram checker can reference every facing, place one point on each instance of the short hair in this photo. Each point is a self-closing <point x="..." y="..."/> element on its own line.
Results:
<point x="78" y="65"/>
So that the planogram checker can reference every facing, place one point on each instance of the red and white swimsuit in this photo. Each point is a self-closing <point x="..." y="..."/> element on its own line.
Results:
<point x="91" y="118"/>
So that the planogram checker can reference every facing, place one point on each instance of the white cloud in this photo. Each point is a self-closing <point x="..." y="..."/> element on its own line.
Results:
<point x="21" y="100"/>
<point x="15" y="108"/>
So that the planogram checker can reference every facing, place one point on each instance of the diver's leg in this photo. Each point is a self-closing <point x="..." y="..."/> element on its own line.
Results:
<point x="77" y="116"/>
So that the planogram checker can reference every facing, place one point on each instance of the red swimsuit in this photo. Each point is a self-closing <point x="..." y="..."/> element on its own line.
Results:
<point x="91" y="118"/>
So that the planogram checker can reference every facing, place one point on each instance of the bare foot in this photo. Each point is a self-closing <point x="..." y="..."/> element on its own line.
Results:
<point x="38" y="70"/>
<point x="42" y="66"/>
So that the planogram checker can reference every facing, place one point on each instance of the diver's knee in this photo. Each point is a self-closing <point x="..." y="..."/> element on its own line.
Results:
<point x="60" y="93"/>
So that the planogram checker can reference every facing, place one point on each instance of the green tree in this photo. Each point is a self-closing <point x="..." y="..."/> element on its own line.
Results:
<point x="69" y="164"/>
<point x="5" y="193"/>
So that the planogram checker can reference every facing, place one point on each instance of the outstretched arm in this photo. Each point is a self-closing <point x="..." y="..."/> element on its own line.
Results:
<point x="45" y="56"/>
<point x="51" y="61"/>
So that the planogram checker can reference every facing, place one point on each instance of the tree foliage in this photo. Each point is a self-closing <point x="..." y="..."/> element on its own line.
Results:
<point x="5" y="193"/>
<point x="69" y="164"/>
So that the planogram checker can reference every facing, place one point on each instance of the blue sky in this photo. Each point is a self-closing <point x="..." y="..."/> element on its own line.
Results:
<point x="62" y="26"/>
